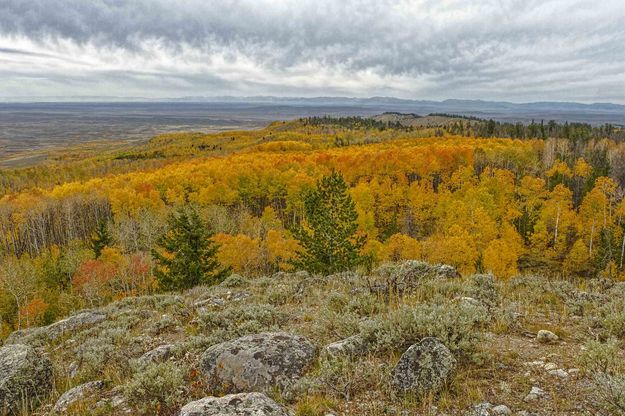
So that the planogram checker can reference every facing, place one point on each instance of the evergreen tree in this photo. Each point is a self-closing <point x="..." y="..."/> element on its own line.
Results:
<point x="328" y="235"/>
<point x="186" y="254"/>
<point x="100" y="238"/>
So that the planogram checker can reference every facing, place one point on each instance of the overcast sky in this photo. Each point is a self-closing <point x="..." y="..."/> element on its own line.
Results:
<point x="514" y="50"/>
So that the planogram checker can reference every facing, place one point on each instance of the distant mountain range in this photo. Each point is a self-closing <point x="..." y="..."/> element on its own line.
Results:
<point x="595" y="113"/>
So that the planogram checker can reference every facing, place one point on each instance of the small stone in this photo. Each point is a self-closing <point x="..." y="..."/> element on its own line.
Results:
<point x="158" y="354"/>
<point x="559" y="373"/>
<point x="117" y="402"/>
<point x="354" y="345"/>
<point x="550" y="366"/>
<point x="501" y="410"/>
<point x="546" y="337"/>
<point x="481" y="409"/>
<point x="535" y="393"/>
<point x="573" y="371"/>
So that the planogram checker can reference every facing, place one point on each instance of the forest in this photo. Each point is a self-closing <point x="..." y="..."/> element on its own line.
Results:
<point x="79" y="230"/>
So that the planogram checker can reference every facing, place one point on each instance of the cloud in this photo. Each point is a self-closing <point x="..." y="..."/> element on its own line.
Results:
<point x="492" y="49"/>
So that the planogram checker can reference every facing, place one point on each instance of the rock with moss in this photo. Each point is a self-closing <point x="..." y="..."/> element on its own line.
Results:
<point x="243" y="404"/>
<point x="56" y="330"/>
<point x="25" y="377"/>
<point x="257" y="362"/>
<point x="74" y="395"/>
<point x="425" y="367"/>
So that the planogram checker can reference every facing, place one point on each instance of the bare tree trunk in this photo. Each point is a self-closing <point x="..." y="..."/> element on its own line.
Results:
<point x="592" y="234"/>
<point x="555" y="237"/>
<point x="622" y="251"/>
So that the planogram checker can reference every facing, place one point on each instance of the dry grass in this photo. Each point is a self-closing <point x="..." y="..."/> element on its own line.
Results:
<point x="493" y="367"/>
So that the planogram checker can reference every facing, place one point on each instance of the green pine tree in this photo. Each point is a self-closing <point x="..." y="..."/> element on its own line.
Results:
<point x="185" y="255"/>
<point x="329" y="234"/>
<point x="100" y="238"/>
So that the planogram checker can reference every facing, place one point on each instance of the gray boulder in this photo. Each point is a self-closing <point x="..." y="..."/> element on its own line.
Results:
<point x="243" y="404"/>
<point x="77" y="393"/>
<point x="25" y="377"/>
<point x="354" y="345"/>
<point x="424" y="367"/>
<point x="57" y="329"/>
<point x="257" y="362"/>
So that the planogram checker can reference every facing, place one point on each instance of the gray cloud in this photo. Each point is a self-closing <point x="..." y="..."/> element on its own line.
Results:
<point x="492" y="49"/>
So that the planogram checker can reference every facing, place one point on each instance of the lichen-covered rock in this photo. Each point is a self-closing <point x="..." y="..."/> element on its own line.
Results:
<point x="257" y="362"/>
<point x="57" y="329"/>
<point x="77" y="393"/>
<point x="424" y="367"/>
<point x="25" y="377"/>
<point x="243" y="404"/>
<point x="158" y="354"/>
<point x="354" y="345"/>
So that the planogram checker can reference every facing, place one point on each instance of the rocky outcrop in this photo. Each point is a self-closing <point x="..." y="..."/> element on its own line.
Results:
<point x="57" y="329"/>
<point x="257" y="362"/>
<point x="424" y="367"/>
<point x="77" y="393"/>
<point x="243" y="404"/>
<point x="25" y="377"/>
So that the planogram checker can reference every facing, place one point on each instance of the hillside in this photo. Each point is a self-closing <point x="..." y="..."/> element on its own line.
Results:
<point x="152" y="354"/>
<point x="108" y="253"/>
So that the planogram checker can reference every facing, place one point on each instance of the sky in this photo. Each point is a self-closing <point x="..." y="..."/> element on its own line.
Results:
<point x="512" y="50"/>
